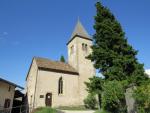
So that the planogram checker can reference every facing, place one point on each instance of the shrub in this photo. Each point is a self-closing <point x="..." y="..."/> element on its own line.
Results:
<point x="142" y="97"/>
<point x="113" y="98"/>
<point x="90" y="102"/>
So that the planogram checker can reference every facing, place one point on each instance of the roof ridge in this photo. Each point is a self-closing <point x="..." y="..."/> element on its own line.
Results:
<point x="51" y="60"/>
<point x="46" y="63"/>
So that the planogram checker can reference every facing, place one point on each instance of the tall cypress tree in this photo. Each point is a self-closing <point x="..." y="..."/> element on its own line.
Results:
<point x="112" y="54"/>
<point x="62" y="59"/>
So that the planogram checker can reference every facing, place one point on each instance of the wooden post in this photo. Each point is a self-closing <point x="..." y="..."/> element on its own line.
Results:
<point x="20" y="110"/>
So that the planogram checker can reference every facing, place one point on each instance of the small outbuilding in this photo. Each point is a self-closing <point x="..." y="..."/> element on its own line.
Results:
<point x="7" y="92"/>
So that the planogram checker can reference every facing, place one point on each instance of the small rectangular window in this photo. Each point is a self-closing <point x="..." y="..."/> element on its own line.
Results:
<point x="41" y="96"/>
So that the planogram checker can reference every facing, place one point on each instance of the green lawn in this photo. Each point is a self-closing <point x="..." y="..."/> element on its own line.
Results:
<point x="101" y="111"/>
<point x="45" y="110"/>
<point x="72" y="108"/>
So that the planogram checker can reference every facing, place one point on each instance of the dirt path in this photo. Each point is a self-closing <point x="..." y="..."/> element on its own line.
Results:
<point x="69" y="111"/>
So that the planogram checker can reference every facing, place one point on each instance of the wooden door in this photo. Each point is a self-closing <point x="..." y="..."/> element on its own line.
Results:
<point x="7" y="103"/>
<point x="48" y="99"/>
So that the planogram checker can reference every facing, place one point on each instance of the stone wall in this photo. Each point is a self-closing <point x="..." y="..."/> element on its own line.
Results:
<point x="47" y="82"/>
<point x="30" y="83"/>
<point x="6" y="92"/>
<point x="130" y="100"/>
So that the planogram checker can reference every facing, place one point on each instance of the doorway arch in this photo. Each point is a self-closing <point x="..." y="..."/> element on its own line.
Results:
<point x="48" y="99"/>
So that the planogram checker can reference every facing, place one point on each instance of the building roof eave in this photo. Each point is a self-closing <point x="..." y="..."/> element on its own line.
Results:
<point x="79" y="37"/>
<point x="13" y="84"/>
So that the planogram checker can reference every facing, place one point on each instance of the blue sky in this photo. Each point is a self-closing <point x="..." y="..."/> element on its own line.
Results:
<point x="42" y="28"/>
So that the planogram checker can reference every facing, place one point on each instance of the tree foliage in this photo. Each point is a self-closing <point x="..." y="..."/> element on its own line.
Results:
<point x="116" y="59"/>
<point x="62" y="59"/>
<point x="95" y="85"/>
<point x="142" y="97"/>
<point x="90" y="102"/>
<point x="112" y="54"/>
<point x="113" y="98"/>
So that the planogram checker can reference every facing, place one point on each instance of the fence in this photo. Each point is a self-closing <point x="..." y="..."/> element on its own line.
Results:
<point x="17" y="109"/>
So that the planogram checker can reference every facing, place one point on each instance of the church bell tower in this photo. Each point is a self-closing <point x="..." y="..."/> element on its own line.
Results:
<point x="79" y="46"/>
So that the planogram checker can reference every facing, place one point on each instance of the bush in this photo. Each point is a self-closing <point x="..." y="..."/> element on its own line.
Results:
<point x="90" y="102"/>
<point x="142" y="97"/>
<point x="113" y="98"/>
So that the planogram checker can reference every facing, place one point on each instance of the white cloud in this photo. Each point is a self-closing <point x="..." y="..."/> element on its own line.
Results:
<point x="147" y="71"/>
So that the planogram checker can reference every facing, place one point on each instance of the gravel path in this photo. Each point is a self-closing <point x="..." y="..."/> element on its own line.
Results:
<point x="69" y="111"/>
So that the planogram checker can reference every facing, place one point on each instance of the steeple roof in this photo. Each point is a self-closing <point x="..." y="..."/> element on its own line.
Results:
<point x="80" y="31"/>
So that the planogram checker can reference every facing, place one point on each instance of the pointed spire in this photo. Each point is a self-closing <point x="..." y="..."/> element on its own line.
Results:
<point x="80" y="30"/>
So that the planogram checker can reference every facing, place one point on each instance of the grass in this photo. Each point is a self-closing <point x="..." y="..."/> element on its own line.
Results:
<point x="72" y="108"/>
<point x="45" y="110"/>
<point x="53" y="110"/>
<point x="100" y="111"/>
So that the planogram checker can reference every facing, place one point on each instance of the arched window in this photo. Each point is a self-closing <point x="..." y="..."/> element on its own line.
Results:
<point x="84" y="47"/>
<point x="60" y="86"/>
<point x="72" y="49"/>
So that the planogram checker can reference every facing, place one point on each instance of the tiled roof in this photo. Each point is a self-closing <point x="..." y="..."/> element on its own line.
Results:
<point x="80" y="31"/>
<point x="46" y="64"/>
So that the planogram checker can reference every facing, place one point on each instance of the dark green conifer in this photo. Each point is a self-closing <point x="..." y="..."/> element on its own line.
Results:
<point x="112" y="54"/>
<point x="62" y="59"/>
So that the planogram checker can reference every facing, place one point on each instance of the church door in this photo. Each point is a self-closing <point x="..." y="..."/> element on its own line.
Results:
<point x="48" y="99"/>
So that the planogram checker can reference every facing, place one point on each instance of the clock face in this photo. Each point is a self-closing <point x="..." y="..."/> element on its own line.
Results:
<point x="48" y="97"/>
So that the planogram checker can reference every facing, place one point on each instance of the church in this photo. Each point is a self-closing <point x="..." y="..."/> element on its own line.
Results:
<point x="55" y="83"/>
